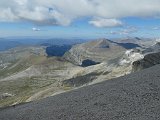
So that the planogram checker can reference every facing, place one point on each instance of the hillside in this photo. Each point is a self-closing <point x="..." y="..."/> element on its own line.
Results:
<point x="28" y="74"/>
<point x="135" y="96"/>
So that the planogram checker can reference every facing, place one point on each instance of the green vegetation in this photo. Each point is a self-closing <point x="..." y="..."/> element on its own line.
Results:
<point x="22" y="89"/>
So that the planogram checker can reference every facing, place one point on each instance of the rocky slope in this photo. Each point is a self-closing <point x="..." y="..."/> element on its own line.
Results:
<point x="135" y="96"/>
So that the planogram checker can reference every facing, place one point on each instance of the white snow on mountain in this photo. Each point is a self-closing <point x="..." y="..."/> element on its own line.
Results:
<point x="131" y="56"/>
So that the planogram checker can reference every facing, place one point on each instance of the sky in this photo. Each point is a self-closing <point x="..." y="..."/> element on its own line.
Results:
<point x="80" y="18"/>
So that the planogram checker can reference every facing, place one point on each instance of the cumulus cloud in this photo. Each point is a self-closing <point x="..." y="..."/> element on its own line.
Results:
<point x="64" y="12"/>
<point x="102" y="22"/>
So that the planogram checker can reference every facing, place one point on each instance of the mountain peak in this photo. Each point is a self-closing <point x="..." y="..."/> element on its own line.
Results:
<point x="98" y="51"/>
<point x="104" y="43"/>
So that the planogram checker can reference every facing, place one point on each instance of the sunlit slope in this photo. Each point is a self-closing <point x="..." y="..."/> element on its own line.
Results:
<point x="25" y="74"/>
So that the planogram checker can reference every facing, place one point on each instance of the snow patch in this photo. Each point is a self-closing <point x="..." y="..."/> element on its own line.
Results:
<point x="131" y="56"/>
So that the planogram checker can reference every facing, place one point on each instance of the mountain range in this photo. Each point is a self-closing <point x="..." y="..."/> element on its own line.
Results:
<point x="33" y="72"/>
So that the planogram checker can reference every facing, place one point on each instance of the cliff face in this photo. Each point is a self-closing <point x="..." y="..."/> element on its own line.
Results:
<point x="148" y="61"/>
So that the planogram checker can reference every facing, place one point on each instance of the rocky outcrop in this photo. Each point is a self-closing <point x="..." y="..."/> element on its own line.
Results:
<point x="148" y="61"/>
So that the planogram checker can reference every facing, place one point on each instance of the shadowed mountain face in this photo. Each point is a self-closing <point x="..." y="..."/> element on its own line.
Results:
<point x="86" y="63"/>
<point x="80" y="80"/>
<point x="128" y="45"/>
<point x="151" y="58"/>
<point x="56" y="50"/>
<point x="135" y="96"/>
<point x="148" y="61"/>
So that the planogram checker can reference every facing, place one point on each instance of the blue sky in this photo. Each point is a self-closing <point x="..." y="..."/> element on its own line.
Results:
<point x="144" y="27"/>
<point x="96" y="19"/>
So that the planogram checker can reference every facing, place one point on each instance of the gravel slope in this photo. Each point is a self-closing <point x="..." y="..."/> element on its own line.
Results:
<point x="132" y="97"/>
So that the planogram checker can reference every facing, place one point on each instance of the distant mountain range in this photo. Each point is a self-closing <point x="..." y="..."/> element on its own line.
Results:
<point x="5" y="45"/>
<point x="8" y="43"/>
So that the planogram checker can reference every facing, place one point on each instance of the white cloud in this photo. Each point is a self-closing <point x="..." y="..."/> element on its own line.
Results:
<point x="127" y="31"/>
<point x="102" y="22"/>
<point x="36" y="29"/>
<point x="63" y="12"/>
<point x="156" y="28"/>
